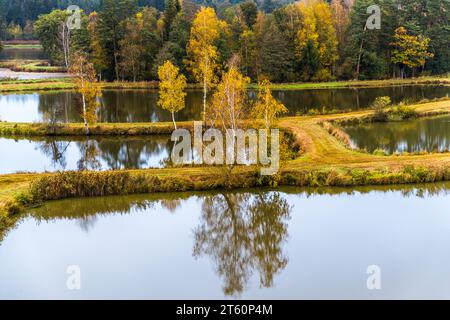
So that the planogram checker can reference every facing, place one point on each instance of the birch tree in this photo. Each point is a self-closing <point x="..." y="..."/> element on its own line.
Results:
<point x="171" y="89"/>
<point x="267" y="107"/>
<point x="202" y="51"/>
<point x="87" y="86"/>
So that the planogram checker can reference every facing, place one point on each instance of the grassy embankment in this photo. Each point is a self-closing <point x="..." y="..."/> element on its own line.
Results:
<point x="35" y="85"/>
<point x="67" y="84"/>
<point x="23" y="46"/>
<point x="26" y="65"/>
<point x="41" y="66"/>
<point x="325" y="161"/>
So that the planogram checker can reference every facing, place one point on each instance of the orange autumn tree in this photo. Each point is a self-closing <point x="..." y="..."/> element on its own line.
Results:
<point x="410" y="51"/>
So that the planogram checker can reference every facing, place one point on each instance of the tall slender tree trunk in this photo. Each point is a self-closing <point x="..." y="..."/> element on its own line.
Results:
<point x="116" y="64"/>
<point x="205" y="89"/>
<point x="358" y="65"/>
<point x="86" y="126"/>
<point x="173" y="119"/>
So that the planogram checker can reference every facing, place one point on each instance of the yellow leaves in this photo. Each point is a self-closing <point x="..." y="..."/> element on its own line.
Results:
<point x="201" y="47"/>
<point x="317" y="26"/>
<point x="411" y="51"/>
<point x="205" y="27"/>
<point x="86" y="84"/>
<point x="171" y="88"/>
<point x="266" y="106"/>
<point x="228" y="105"/>
<point x="309" y="30"/>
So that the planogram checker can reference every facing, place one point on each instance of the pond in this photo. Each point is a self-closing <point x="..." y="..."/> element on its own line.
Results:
<point x="423" y="134"/>
<point x="22" y="54"/>
<point x="95" y="153"/>
<point x="286" y="244"/>
<point x="141" y="105"/>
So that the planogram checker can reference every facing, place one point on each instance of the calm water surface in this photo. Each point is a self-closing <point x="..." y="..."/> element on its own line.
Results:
<point x="140" y="105"/>
<point x="56" y="154"/>
<point x="424" y="134"/>
<point x="253" y="245"/>
<point x="22" y="54"/>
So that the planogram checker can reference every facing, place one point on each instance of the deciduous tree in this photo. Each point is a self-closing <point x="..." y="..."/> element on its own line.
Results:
<point x="87" y="86"/>
<point x="267" y="107"/>
<point x="229" y="100"/>
<point x="171" y="89"/>
<point x="202" y="51"/>
<point x="410" y="51"/>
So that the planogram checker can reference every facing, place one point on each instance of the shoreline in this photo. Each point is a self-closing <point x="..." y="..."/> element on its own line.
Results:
<point x="324" y="162"/>
<point x="65" y="83"/>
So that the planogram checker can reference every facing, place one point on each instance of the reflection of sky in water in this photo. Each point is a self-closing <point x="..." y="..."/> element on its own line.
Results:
<point x="19" y="108"/>
<point x="148" y="253"/>
<point x="140" y="105"/>
<point x="31" y="156"/>
<point x="424" y="134"/>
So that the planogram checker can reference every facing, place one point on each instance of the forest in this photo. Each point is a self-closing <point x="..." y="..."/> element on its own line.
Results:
<point x="308" y="40"/>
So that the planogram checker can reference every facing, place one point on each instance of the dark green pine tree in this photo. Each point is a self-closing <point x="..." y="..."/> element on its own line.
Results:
<point x="276" y="59"/>
<point x="171" y="10"/>
<point x="110" y="26"/>
<point x="249" y="11"/>
<point x="310" y="61"/>
<point x="268" y="6"/>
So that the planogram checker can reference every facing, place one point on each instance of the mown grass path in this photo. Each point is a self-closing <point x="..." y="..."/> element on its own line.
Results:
<point x="321" y="151"/>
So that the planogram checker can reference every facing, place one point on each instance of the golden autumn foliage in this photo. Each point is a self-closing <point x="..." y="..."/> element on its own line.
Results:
<point x="202" y="51"/>
<point x="266" y="106"/>
<point x="87" y="86"/>
<point x="171" y="89"/>
<point x="228" y="103"/>
<point x="410" y="51"/>
<point x="317" y="27"/>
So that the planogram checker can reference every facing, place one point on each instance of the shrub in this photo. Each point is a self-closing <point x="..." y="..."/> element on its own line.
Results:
<point x="322" y="75"/>
<point x="379" y="105"/>
<point x="401" y="112"/>
<point x="338" y="134"/>
<point x="380" y="152"/>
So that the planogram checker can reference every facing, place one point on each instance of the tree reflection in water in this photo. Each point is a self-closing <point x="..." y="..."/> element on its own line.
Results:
<point x="55" y="151"/>
<point x="106" y="153"/>
<point x="243" y="233"/>
<point x="89" y="156"/>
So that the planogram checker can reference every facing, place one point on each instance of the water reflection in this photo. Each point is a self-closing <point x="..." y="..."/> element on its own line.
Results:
<point x="426" y="134"/>
<point x="94" y="153"/>
<point x="243" y="234"/>
<point x="22" y="54"/>
<point x="293" y="243"/>
<point x="140" y="105"/>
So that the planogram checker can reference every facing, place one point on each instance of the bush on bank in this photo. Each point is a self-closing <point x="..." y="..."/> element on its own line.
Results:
<point x="106" y="183"/>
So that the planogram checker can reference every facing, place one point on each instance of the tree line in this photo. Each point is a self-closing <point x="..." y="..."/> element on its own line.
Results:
<point x="309" y="40"/>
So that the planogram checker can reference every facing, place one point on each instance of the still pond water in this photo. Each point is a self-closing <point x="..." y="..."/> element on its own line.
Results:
<point x="291" y="244"/>
<point x="102" y="153"/>
<point x="140" y="105"/>
<point x="22" y="54"/>
<point x="425" y="134"/>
